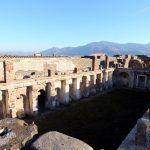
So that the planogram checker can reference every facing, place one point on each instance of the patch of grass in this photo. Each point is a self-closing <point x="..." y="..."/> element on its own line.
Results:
<point x="102" y="122"/>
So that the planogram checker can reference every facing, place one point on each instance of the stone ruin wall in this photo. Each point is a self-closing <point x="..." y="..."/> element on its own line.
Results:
<point x="24" y="79"/>
<point x="38" y="67"/>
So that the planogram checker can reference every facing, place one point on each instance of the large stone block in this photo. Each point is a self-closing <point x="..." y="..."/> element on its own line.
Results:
<point x="58" y="141"/>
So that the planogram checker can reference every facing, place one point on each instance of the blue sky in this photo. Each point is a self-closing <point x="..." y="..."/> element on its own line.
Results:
<point x="40" y="24"/>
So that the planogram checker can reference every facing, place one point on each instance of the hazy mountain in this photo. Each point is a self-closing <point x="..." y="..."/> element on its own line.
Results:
<point x="16" y="53"/>
<point x="103" y="47"/>
<point x="108" y="48"/>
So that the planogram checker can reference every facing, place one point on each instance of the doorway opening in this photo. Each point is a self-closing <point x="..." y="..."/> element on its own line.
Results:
<point x="49" y="73"/>
<point x="41" y="100"/>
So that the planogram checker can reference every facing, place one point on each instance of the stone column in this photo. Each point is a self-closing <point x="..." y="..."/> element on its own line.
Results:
<point x="93" y="84"/>
<point x="76" y="88"/>
<point x="51" y="95"/>
<point x="92" y="80"/>
<point x="29" y="100"/>
<point x="126" y="63"/>
<point x="64" y="92"/>
<point x="85" y="86"/>
<point x="99" y="82"/>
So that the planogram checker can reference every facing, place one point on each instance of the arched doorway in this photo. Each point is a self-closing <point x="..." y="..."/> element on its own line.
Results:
<point x="141" y="81"/>
<point x="58" y="92"/>
<point x="41" y="100"/>
<point x="124" y="79"/>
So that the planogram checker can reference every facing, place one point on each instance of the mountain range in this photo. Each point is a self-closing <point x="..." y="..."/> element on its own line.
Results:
<point x="108" y="48"/>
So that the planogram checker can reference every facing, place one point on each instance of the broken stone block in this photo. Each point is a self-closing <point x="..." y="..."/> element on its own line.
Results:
<point x="15" y="133"/>
<point x="142" y="137"/>
<point x="58" y="141"/>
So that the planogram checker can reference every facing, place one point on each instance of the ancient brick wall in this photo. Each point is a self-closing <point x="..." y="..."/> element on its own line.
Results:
<point x="28" y="68"/>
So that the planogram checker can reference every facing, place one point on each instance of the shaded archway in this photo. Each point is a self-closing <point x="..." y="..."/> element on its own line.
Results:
<point x="58" y="93"/>
<point x="41" y="100"/>
<point x="124" y="79"/>
<point x="1" y="109"/>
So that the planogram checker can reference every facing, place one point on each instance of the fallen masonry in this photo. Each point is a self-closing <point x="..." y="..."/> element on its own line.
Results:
<point x="58" y="141"/>
<point x="15" y="133"/>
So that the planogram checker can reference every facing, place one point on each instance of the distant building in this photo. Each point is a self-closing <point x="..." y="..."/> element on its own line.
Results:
<point x="37" y="54"/>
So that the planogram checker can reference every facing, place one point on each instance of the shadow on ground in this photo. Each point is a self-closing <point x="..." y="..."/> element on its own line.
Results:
<point x="103" y="122"/>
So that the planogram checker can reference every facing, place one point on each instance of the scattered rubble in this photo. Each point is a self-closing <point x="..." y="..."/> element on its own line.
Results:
<point x="15" y="133"/>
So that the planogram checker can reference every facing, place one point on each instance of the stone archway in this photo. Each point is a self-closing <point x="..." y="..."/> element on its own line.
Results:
<point x="124" y="79"/>
<point x="141" y="81"/>
<point x="41" y="100"/>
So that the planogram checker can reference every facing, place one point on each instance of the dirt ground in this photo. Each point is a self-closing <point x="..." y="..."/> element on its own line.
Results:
<point x="102" y="121"/>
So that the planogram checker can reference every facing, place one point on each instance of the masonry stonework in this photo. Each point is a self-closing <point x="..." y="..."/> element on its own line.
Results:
<point x="31" y="84"/>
